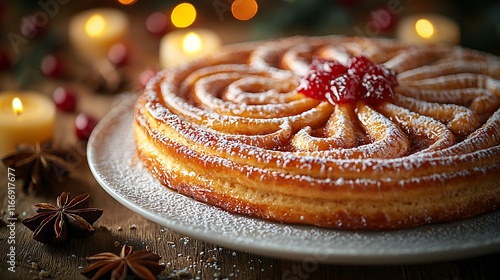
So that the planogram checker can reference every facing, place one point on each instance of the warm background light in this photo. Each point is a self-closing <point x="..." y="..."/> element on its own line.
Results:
<point x="127" y="2"/>
<point x="183" y="15"/>
<point x="244" y="9"/>
<point x="17" y="106"/>
<point x="95" y="25"/>
<point x="424" y="28"/>
<point x="191" y="42"/>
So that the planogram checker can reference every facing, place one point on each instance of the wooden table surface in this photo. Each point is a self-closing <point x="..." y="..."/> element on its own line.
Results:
<point x="183" y="256"/>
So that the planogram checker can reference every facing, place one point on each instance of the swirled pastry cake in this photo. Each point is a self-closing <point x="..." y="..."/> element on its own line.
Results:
<point x="350" y="133"/>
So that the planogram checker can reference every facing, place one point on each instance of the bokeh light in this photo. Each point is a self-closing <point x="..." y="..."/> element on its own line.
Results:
<point x="127" y="2"/>
<point x="191" y="42"/>
<point x="95" y="25"/>
<point x="17" y="106"/>
<point x="183" y="15"/>
<point x="244" y="9"/>
<point x="424" y="28"/>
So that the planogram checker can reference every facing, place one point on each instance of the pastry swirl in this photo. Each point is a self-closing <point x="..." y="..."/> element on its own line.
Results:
<point x="233" y="131"/>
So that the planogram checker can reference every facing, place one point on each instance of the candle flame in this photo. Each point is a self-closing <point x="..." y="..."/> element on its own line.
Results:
<point x="191" y="43"/>
<point x="17" y="106"/>
<point x="95" y="25"/>
<point x="424" y="28"/>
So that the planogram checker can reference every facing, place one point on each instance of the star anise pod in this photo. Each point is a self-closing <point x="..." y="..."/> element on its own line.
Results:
<point x="70" y="218"/>
<point x="40" y="164"/>
<point x="142" y="264"/>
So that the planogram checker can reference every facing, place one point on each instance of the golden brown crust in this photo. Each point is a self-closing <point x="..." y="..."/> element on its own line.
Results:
<point x="232" y="131"/>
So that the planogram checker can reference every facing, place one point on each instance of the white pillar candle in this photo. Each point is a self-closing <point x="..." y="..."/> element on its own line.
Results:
<point x="94" y="31"/>
<point x="25" y="118"/>
<point x="428" y="29"/>
<point x="184" y="45"/>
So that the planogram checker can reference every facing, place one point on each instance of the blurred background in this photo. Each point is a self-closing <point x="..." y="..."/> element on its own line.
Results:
<point x="33" y="30"/>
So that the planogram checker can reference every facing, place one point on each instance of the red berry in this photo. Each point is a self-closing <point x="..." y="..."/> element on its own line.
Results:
<point x="330" y="66"/>
<point x="359" y="65"/>
<point x="118" y="54"/>
<point x="314" y="84"/>
<point x="34" y="25"/>
<point x="157" y="24"/>
<point x="4" y="60"/>
<point x="84" y="124"/>
<point x="377" y="88"/>
<point x="145" y="76"/>
<point x="387" y="73"/>
<point x="52" y="66"/>
<point x="384" y="19"/>
<point x="344" y="89"/>
<point x="64" y="99"/>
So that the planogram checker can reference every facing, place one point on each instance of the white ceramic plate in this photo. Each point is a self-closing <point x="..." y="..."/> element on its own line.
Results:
<point x="113" y="161"/>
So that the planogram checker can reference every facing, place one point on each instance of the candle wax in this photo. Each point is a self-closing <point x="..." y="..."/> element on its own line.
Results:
<point x="34" y="124"/>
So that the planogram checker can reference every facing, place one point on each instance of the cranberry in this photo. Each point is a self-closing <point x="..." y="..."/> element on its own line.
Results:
<point x="344" y="89"/>
<point x="145" y="76"/>
<point x="34" y="25"/>
<point x="377" y="88"/>
<point x="389" y="74"/>
<point x="84" y="124"/>
<point x="64" y="99"/>
<point x="118" y="54"/>
<point x="359" y="65"/>
<point x="52" y="66"/>
<point x="330" y="66"/>
<point x="4" y="60"/>
<point x="384" y="19"/>
<point x="315" y="84"/>
<point x="157" y="24"/>
<point x="360" y="80"/>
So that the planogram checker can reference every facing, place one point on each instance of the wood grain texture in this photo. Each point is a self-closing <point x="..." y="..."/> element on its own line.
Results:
<point x="183" y="256"/>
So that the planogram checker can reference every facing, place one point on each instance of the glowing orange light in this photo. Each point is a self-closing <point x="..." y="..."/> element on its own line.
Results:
<point x="95" y="25"/>
<point x="244" y="9"/>
<point x="424" y="28"/>
<point x="183" y="15"/>
<point x="191" y="43"/>
<point x="127" y="2"/>
<point x="17" y="106"/>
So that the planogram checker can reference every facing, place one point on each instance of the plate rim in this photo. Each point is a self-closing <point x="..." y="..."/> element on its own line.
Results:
<point x="125" y="103"/>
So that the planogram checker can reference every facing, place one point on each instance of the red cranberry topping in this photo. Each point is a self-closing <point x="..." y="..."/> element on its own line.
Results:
<point x="377" y="88"/>
<point x="360" y="80"/>
<point x="387" y="73"/>
<point x="344" y="89"/>
<point x="315" y="84"/>
<point x="333" y="67"/>
<point x="359" y="65"/>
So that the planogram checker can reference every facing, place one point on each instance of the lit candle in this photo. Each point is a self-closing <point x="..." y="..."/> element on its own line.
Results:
<point x="428" y="29"/>
<point x="25" y="118"/>
<point x="184" y="45"/>
<point x="93" y="32"/>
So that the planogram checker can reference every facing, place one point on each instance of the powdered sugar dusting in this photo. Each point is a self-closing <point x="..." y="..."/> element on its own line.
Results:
<point x="113" y="161"/>
<point x="241" y="110"/>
